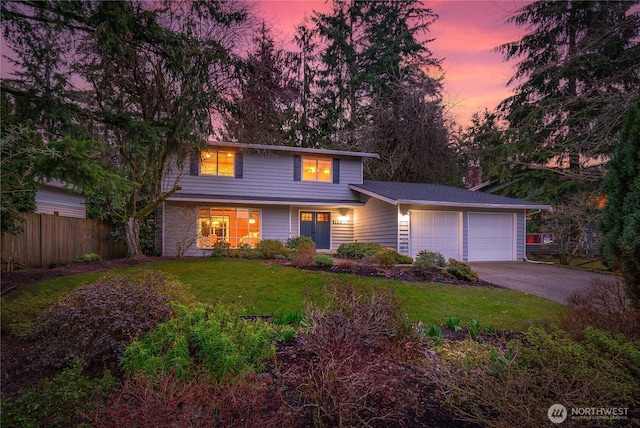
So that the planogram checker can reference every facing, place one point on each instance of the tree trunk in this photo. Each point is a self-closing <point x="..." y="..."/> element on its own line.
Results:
<point x="132" y="237"/>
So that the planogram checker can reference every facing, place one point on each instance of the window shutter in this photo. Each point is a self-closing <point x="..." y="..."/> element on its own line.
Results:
<point x="194" y="163"/>
<point x="239" y="165"/>
<point x="336" y="171"/>
<point x="297" y="168"/>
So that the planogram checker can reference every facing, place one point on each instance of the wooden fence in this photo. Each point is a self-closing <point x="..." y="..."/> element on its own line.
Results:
<point x="49" y="239"/>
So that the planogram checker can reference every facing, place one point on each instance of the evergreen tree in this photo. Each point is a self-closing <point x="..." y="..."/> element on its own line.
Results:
<point x="579" y="70"/>
<point x="264" y="111"/>
<point x="361" y="50"/>
<point x="621" y="223"/>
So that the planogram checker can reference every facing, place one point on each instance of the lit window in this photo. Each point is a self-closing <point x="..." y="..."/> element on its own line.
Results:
<point x="217" y="162"/>
<point x="234" y="226"/>
<point x="316" y="169"/>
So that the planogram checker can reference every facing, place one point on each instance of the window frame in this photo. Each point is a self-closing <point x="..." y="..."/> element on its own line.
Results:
<point x="318" y="176"/>
<point x="230" y="219"/>
<point x="217" y="153"/>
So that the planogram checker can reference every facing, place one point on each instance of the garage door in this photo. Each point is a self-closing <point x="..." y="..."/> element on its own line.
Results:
<point x="436" y="231"/>
<point x="491" y="237"/>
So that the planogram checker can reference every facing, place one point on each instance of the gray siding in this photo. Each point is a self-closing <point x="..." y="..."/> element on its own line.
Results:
<point x="377" y="222"/>
<point x="52" y="200"/>
<point x="269" y="175"/>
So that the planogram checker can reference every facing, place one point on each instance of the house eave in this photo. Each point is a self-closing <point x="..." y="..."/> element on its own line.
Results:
<point x="267" y="147"/>
<point x="263" y="201"/>
<point x="472" y="205"/>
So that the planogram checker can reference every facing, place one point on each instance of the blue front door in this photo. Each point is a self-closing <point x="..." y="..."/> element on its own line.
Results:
<point x="317" y="226"/>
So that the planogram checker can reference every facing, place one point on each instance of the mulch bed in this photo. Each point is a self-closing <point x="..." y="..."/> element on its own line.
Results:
<point x="17" y="278"/>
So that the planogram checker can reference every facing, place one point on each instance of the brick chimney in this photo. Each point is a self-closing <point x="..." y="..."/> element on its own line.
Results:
<point x="474" y="174"/>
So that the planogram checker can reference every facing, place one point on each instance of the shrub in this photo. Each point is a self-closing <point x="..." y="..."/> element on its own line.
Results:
<point x="297" y="241"/>
<point x="355" y="377"/>
<point x="245" y="251"/>
<point x="221" y="249"/>
<point x="213" y="340"/>
<point x="304" y="254"/>
<point x="524" y="378"/>
<point x="461" y="271"/>
<point x="59" y="402"/>
<point x="323" y="260"/>
<point x="89" y="257"/>
<point x="388" y="257"/>
<point x="347" y="264"/>
<point x="603" y="305"/>
<point x="429" y="260"/>
<point x="169" y="401"/>
<point x="101" y="319"/>
<point x="358" y="250"/>
<point x="362" y="390"/>
<point x="344" y="317"/>
<point x="384" y="258"/>
<point x="272" y="249"/>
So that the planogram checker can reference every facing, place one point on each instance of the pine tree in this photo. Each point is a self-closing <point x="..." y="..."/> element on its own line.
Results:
<point x="264" y="112"/>
<point x="361" y="49"/>
<point x="579" y="70"/>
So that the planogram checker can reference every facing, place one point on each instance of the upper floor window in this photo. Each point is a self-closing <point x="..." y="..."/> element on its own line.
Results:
<point x="218" y="162"/>
<point x="316" y="169"/>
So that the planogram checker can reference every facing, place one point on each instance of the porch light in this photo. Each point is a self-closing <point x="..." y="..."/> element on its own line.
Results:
<point x="343" y="218"/>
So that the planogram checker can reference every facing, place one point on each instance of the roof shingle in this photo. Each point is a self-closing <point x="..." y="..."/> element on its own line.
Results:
<point x="438" y="194"/>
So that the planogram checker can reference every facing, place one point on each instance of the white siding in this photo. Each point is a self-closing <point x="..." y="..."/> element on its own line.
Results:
<point x="56" y="201"/>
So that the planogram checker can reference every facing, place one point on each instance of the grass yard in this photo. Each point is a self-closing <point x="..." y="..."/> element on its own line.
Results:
<point x="263" y="288"/>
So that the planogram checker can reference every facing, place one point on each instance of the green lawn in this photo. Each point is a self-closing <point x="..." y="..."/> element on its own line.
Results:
<point x="264" y="288"/>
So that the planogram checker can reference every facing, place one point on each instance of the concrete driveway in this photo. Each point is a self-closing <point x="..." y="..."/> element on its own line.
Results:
<point x="543" y="280"/>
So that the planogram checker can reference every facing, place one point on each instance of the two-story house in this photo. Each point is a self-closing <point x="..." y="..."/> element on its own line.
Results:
<point x="243" y="193"/>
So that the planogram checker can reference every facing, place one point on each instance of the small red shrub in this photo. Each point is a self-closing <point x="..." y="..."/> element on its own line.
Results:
<point x="169" y="401"/>
<point x="101" y="319"/>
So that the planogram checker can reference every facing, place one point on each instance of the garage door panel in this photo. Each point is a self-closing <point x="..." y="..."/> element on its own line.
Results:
<point x="491" y="237"/>
<point x="435" y="231"/>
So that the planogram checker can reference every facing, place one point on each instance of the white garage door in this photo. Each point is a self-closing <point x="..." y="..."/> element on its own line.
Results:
<point x="436" y="231"/>
<point x="491" y="237"/>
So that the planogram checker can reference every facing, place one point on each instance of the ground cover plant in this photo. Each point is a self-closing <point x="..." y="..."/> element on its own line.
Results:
<point x="514" y="383"/>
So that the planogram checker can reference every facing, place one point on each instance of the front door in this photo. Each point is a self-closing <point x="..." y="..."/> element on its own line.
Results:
<point x="317" y="226"/>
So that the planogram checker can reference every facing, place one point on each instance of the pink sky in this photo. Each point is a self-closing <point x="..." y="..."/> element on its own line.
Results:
<point x="465" y="33"/>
